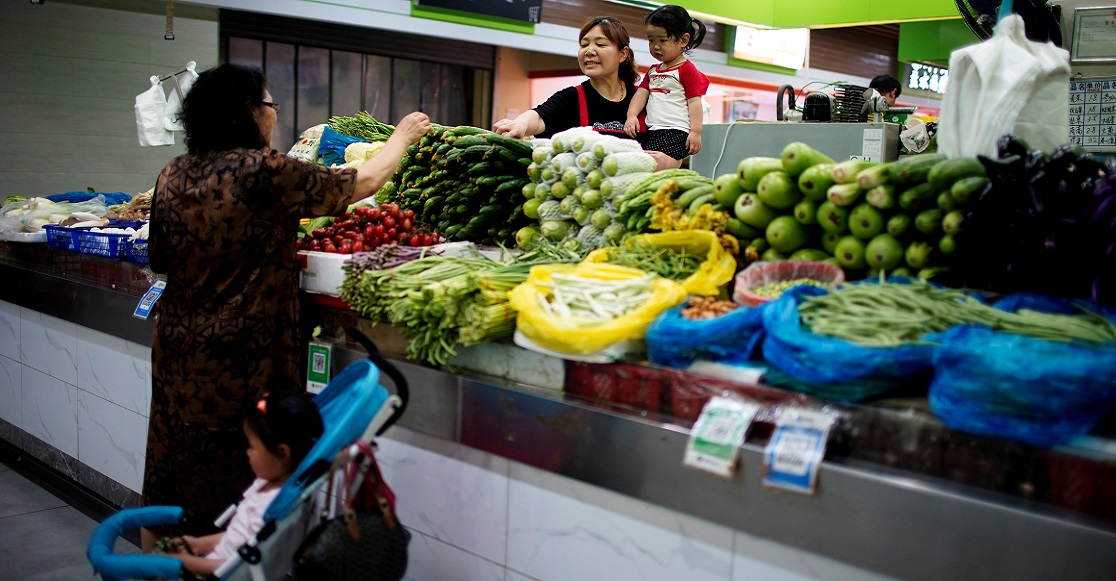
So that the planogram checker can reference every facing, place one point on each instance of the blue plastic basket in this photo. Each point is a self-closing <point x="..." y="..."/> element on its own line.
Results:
<point x="101" y="243"/>
<point x="136" y="251"/>
<point x="59" y="237"/>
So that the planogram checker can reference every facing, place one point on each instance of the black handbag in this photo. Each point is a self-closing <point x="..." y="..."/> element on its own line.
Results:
<point x="365" y="541"/>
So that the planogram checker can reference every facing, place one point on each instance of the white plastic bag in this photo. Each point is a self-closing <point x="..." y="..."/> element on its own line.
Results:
<point x="151" y="108"/>
<point x="182" y="83"/>
<point x="1005" y="85"/>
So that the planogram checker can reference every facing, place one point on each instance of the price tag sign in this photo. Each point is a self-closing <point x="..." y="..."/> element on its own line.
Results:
<point x="318" y="367"/>
<point x="147" y="302"/>
<point x="796" y="449"/>
<point x="717" y="435"/>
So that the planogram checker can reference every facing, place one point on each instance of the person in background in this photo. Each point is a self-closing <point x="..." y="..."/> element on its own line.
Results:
<point x="672" y="90"/>
<point x="888" y="87"/>
<point x="280" y="429"/>
<point x="223" y="228"/>
<point x="601" y="101"/>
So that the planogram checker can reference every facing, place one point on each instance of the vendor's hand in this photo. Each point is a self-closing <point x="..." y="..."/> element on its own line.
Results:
<point x="412" y="127"/>
<point x="510" y="128"/>
<point x="631" y="126"/>
<point x="663" y="161"/>
<point x="693" y="143"/>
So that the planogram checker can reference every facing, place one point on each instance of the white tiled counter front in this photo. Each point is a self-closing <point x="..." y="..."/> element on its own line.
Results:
<point x="76" y="399"/>
<point x="479" y="517"/>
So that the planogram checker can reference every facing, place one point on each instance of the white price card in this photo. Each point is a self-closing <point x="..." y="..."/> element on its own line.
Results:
<point x="147" y="302"/>
<point x="318" y="367"/>
<point x="717" y="435"/>
<point x="796" y="449"/>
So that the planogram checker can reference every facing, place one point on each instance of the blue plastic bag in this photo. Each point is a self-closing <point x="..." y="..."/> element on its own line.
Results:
<point x="111" y="198"/>
<point x="832" y="367"/>
<point x="331" y="147"/>
<point x="675" y="341"/>
<point x="1024" y="388"/>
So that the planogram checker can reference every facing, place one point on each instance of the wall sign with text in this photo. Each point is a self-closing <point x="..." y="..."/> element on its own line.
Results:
<point x="1092" y="109"/>
<point x="927" y="78"/>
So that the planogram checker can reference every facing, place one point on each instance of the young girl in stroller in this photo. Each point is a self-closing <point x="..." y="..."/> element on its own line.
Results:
<point x="280" y="428"/>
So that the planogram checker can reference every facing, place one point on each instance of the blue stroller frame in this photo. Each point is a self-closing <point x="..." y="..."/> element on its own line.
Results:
<point x="353" y="405"/>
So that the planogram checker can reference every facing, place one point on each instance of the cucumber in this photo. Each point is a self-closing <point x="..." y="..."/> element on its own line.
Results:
<point x="518" y="146"/>
<point x="464" y="130"/>
<point x="432" y="205"/>
<point x="918" y="197"/>
<point x="929" y="222"/>
<point x="966" y="190"/>
<point x="913" y="169"/>
<point x="475" y="153"/>
<point x="470" y="141"/>
<point x="689" y="196"/>
<point x="697" y="203"/>
<point x="945" y="173"/>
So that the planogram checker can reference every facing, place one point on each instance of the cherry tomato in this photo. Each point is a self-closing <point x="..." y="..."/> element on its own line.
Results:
<point x="369" y="231"/>
<point x="346" y="247"/>
<point x="388" y="221"/>
<point x="415" y="240"/>
<point x="427" y="240"/>
<point x="409" y="214"/>
<point x="378" y="229"/>
<point x="329" y="247"/>
<point x="392" y="234"/>
<point x="359" y="237"/>
<point x="406" y="225"/>
<point x="358" y="246"/>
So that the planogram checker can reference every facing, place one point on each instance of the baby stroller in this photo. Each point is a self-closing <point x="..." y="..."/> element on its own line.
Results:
<point x="354" y="406"/>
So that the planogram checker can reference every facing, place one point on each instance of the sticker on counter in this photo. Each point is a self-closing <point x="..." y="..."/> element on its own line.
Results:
<point x="796" y="449"/>
<point x="317" y="367"/>
<point x="147" y="302"/>
<point x="717" y="435"/>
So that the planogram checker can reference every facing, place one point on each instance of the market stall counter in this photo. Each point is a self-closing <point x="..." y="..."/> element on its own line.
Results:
<point x="513" y="460"/>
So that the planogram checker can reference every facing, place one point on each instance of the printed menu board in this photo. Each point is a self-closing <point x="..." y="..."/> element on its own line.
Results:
<point x="1092" y="110"/>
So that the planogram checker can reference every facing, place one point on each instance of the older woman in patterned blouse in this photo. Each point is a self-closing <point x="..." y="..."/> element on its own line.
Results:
<point x="223" y="229"/>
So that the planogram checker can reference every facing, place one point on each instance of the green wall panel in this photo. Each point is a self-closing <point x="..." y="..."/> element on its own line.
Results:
<point x="932" y="41"/>
<point x="470" y="19"/>
<point x="812" y="13"/>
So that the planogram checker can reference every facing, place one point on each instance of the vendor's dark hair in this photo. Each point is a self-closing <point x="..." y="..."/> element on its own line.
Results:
<point x="676" y="22"/>
<point x="218" y="112"/>
<point x="615" y="32"/>
<point x="886" y="84"/>
<point x="289" y="418"/>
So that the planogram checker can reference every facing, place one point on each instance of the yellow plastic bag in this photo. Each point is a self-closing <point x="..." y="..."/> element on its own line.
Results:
<point x="717" y="270"/>
<point x="582" y="335"/>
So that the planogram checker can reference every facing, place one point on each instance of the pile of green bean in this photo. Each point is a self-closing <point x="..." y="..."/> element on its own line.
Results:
<point x="888" y="315"/>
<point x="665" y="262"/>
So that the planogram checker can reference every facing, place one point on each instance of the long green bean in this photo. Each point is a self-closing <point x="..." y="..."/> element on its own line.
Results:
<point x="896" y="314"/>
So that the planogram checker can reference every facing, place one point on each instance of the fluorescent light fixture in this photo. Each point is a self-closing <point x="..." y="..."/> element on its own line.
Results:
<point x="784" y="47"/>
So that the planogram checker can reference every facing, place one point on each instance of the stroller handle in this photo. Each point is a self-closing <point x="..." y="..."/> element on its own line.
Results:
<point x="401" y="388"/>
<point x="113" y="567"/>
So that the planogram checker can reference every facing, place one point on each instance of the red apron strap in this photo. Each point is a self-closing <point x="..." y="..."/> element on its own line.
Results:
<point x="582" y="109"/>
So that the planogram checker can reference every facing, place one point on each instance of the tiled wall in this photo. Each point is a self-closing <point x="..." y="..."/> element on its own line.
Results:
<point x="71" y="72"/>
<point x="480" y="517"/>
<point x="76" y="399"/>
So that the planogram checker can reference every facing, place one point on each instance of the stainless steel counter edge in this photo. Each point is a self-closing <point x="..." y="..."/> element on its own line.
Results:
<point x="905" y="527"/>
<point x="902" y="526"/>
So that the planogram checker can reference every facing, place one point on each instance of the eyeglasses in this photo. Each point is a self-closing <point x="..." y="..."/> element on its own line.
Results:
<point x="270" y="104"/>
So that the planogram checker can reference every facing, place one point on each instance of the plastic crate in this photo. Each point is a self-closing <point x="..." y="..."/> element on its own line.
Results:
<point x="59" y="237"/>
<point x="136" y="252"/>
<point x="101" y="243"/>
